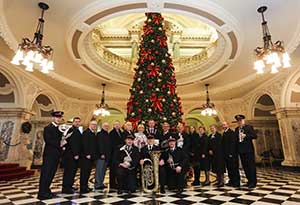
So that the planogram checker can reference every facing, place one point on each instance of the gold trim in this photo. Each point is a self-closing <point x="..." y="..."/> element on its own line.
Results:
<point x="93" y="72"/>
<point x="199" y="12"/>
<point x="206" y="78"/>
<point x="107" y="12"/>
<point x="75" y="39"/>
<point x="234" y="44"/>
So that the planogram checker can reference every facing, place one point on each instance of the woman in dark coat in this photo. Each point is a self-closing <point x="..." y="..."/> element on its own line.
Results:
<point x="195" y="155"/>
<point x="216" y="155"/>
<point x="203" y="155"/>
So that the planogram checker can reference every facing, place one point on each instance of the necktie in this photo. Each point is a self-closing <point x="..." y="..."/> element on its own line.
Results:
<point x="150" y="148"/>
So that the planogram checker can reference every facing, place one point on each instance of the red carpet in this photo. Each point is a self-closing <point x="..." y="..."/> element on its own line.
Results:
<point x="12" y="171"/>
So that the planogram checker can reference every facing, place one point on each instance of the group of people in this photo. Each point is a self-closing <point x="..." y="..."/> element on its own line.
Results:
<point x="124" y="151"/>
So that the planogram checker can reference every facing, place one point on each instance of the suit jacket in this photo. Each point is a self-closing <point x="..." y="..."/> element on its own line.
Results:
<point x="89" y="144"/>
<point x="52" y="138"/>
<point x="73" y="145"/>
<point x="103" y="145"/>
<point x="145" y="152"/>
<point x="215" y="144"/>
<point x="116" y="140"/>
<point x="178" y="155"/>
<point x="195" y="146"/>
<point x="163" y="140"/>
<point x="230" y="143"/>
<point x="121" y="154"/>
<point x="125" y="133"/>
<point x="154" y="132"/>
<point x="186" y="142"/>
<point x="246" y="146"/>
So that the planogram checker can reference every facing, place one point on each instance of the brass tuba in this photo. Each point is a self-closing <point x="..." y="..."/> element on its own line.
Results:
<point x="150" y="173"/>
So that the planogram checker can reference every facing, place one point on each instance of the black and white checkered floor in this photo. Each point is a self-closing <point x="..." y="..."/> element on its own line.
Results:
<point x="274" y="187"/>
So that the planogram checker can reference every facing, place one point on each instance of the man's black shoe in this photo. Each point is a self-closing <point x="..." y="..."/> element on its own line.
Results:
<point x="45" y="196"/>
<point x="162" y="191"/>
<point x="84" y="191"/>
<point x="195" y="183"/>
<point x="251" y="186"/>
<point x="220" y="185"/>
<point x="179" y="191"/>
<point x="206" y="183"/>
<point x="120" y="191"/>
<point x="64" y="191"/>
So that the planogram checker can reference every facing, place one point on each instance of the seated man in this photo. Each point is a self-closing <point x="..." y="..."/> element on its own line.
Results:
<point x="173" y="161"/>
<point x="127" y="159"/>
<point x="146" y="151"/>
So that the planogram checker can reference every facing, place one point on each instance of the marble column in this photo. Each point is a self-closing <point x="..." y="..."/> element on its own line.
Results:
<point x="13" y="141"/>
<point x="289" y="125"/>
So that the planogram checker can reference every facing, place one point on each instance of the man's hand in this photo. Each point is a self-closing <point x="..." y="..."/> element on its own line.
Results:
<point x="161" y="162"/>
<point x="178" y="169"/>
<point x="210" y="152"/>
<point x="88" y="156"/>
<point x="102" y="156"/>
<point x="203" y="156"/>
<point x="141" y="162"/>
<point x="124" y="165"/>
<point x="76" y="157"/>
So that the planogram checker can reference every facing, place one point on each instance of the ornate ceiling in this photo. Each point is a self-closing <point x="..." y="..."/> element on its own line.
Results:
<point x="217" y="38"/>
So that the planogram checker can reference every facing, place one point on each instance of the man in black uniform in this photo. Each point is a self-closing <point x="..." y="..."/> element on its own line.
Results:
<point x="71" y="156"/>
<point x="230" y="145"/>
<point x="103" y="155"/>
<point x="174" y="160"/>
<point x="127" y="160"/>
<point x="151" y="129"/>
<point x="246" y="134"/>
<point x="51" y="155"/>
<point x="116" y="141"/>
<point x="215" y="151"/>
<point x="88" y="155"/>
<point x="165" y="135"/>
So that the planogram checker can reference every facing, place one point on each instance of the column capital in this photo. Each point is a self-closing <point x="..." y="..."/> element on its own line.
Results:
<point x="16" y="112"/>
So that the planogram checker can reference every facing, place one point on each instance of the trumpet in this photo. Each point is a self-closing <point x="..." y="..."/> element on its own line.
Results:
<point x="150" y="173"/>
<point x="64" y="128"/>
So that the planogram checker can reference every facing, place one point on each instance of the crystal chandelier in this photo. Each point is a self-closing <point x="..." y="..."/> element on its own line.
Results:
<point x="208" y="108"/>
<point x="272" y="54"/>
<point x="102" y="107"/>
<point x="32" y="53"/>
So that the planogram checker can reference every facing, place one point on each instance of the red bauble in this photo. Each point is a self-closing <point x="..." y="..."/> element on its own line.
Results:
<point x="138" y="87"/>
<point x="132" y="96"/>
<point x="150" y="85"/>
<point x="166" y="71"/>
<point x="139" y="110"/>
<point x="136" y="103"/>
<point x="153" y="94"/>
<point x="156" y="52"/>
<point x="164" y="86"/>
<point x="172" y="105"/>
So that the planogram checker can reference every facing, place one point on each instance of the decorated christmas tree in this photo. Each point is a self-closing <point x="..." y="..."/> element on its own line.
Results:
<point x="153" y="92"/>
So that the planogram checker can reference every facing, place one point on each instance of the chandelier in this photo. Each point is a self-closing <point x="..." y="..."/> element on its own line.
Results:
<point x="272" y="54"/>
<point x="102" y="107"/>
<point x="208" y="108"/>
<point x="33" y="53"/>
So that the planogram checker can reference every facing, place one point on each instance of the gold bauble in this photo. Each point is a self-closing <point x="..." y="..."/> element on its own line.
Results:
<point x="164" y="100"/>
<point x="152" y="41"/>
<point x="157" y="89"/>
<point x="152" y="64"/>
<point x="149" y="110"/>
<point x="139" y="79"/>
<point x="163" y="61"/>
<point x="174" y="114"/>
<point x="132" y="114"/>
<point x="159" y="80"/>
<point x="169" y="92"/>
<point x="164" y="118"/>
<point x="141" y="92"/>
<point x="140" y="72"/>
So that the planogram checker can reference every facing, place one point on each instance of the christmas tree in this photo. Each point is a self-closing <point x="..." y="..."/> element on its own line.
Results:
<point x="153" y="91"/>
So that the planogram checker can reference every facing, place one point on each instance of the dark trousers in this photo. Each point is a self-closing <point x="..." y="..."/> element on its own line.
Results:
<point x="126" y="179"/>
<point x="70" y="169"/>
<point x="85" y="172"/>
<point x="232" y="165"/>
<point x="48" y="170"/>
<point x="112" y="176"/>
<point x="196" y="173"/>
<point x="248" y="163"/>
<point x="171" y="178"/>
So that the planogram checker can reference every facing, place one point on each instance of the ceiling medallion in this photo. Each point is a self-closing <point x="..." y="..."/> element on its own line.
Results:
<point x="272" y="54"/>
<point x="33" y="53"/>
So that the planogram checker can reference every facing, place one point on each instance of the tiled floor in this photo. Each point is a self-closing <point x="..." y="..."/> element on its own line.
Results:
<point x="274" y="187"/>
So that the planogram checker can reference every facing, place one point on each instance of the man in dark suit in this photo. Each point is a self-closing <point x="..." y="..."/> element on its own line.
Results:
<point x="215" y="150"/>
<point x="51" y="155"/>
<point x="71" y="156"/>
<point x="128" y="130"/>
<point x="173" y="160"/>
<point x="146" y="150"/>
<point x="127" y="160"/>
<point x="230" y="147"/>
<point x="103" y="155"/>
<point x="88" y="155"/>
<point x="116" y="141"/>
<point x="151" y="129"/>
<point x="246" y="134"/>
<point x="165" y="135"/>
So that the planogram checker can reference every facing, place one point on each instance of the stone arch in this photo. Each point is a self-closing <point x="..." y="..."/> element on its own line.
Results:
<point x="290" y="96"/>
<point x="262" y="107"/>
<point x="43" y="105"/>
<point x="10" y="90"/>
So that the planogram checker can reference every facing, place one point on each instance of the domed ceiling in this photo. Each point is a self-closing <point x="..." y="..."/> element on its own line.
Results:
<point x="96" y="41"/>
